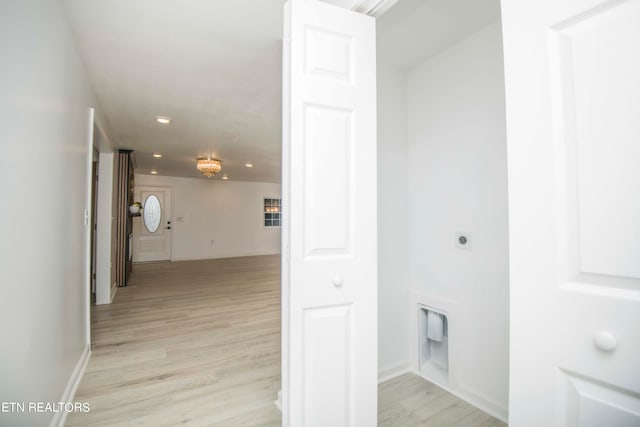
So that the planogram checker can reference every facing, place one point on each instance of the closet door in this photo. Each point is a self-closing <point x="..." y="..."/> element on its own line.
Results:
<point x="329" y="272"/>
<point x="572" y="72"/>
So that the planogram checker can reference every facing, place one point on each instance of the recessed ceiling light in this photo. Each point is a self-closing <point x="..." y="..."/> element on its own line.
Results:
<point x="163" y="120"/>
<point x="249" y="165"/>
<point x="225" y="177"/>
<point x="157" y="155"/>
<point x="154" y="172"/>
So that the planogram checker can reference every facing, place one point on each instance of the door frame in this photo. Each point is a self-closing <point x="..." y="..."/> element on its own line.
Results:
<point x="87" y="222"/>
<point x="97" y="139"/>
<point x="95" y="165"/>
<point x="105" y="286"/>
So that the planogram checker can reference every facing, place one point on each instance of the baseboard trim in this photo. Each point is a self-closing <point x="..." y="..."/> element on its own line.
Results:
<point x="472" y="397"/>
<point x="278" y="401"/>
<point x="72" y="386"/>
<point x="392" y="371"/>
<point x="485" y="403"/>
<point x="114" y="289"/>
<point x="241" y="255"/>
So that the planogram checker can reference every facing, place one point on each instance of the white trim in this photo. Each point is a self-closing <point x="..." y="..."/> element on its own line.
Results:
<point x="278" y="401"/>
<point x="390" y="372"/>
<point x="285" y="229"/>
<point x="104" y="245"/>
<point x="484" y="402"/>
<point x="374" y="8"/>
<point x="450" y="309"/>
<point x="74" y="381"/>
<point x="88" y="211"/>
<point x="472" y="397"/>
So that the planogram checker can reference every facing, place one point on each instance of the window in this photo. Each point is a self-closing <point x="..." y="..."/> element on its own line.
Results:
<point x="152" y="213"/>
<point x="271" y="212"/>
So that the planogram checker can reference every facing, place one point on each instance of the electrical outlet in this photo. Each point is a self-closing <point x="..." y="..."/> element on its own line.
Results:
<point x="463" y="240"/>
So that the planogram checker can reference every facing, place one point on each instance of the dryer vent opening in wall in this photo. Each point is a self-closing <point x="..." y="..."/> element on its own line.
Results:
<point x="433" y="344"/>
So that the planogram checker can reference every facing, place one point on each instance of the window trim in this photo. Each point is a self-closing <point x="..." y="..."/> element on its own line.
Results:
<point x="264" y="213"/>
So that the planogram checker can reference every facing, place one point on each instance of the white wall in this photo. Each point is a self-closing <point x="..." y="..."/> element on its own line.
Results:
<point x="227" y="212"/>
<point x="393" y="244"/>
<point x="43" y="193"/>
<point x="457" y="182"/>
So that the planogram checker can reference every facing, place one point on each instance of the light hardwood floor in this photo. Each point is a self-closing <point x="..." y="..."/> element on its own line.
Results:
<point x="193" y="343"/>
<point x="409" y="401"/>
<point x="197" y="343"/>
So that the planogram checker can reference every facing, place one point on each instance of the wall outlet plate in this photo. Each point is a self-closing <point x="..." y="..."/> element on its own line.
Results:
<point x="463" y="240"/>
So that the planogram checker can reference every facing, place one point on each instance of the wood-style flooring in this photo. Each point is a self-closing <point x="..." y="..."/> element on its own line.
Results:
<point x="197" y="343"/>
<point x="409" y="401"/>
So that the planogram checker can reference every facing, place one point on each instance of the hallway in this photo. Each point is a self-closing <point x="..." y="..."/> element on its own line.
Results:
<point x="187" y="343"/>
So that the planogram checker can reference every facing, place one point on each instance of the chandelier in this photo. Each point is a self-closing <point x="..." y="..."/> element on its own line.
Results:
<point x="209" y="167"/>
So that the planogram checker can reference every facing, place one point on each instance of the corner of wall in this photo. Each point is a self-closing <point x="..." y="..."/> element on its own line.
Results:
<point x="457" y="182"/>
<point x="393" y="323"/>
<point x="69" y="393"/>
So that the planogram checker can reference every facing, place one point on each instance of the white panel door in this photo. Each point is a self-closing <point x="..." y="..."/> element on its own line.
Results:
<point x="572" y="71"/>
<point x="329" y="202"/>
<point x="152" y="230"/>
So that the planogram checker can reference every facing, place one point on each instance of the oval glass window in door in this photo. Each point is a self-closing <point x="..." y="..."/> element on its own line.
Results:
<point x="152" y="213"/>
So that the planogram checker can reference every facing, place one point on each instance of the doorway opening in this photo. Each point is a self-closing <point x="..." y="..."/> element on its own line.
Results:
<point x="442" y="197"/>
<point x="94" y="223"/>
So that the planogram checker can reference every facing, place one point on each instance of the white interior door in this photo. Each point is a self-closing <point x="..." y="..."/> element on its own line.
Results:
<point x="329" y="226"/>
<point x="572" y="71"/>
<point x="152" y="230"/>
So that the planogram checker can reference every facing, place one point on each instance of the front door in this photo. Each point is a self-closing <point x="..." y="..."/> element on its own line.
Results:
<point x="329" y="271"/>
<point x="152" y="229"/>
<point x="572" y="70"/>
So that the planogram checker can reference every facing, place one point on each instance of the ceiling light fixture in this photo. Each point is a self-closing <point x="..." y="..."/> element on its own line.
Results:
<point x="209" y="167"/>
<point x="157" y="155"/>
<point x="163" y="120"/>
<point x="154" y="172"/>
<point x="225" y="177"/>
<point x="249" y="165"/>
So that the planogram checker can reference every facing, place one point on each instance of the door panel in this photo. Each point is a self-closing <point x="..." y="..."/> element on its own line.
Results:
<point x="592" y="404"/>
<point x="572" y="91"/>
<point x="329" y="260"/>
<point x="596" y="90"/>
<point x="328" y="365"/>
<point x="327" y="190"/>
<point x="152" y="235"/>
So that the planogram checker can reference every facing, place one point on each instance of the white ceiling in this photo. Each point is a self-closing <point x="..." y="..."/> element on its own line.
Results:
<point x="214" y="67"/>
<point x="414" y="30"/>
